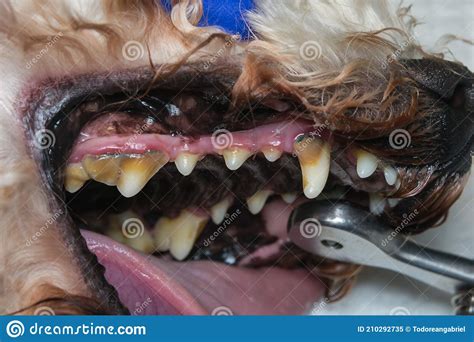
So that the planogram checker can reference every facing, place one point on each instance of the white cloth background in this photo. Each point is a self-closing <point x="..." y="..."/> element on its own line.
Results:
<point x="383" y="292"/>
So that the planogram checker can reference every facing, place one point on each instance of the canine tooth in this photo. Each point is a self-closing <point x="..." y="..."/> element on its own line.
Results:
<point x="366" y="163"/>
<point x="102" y="169"/>
<point x="136" y="172"/>
<point x="314" y="156"/>
<point x="185" y="162"/>
<point x="289" y="197"/>
<point x="178" y="235"/>
<point x="256" y="202"/>
<point x="390" y="174"/>
<point x="376" y="203"/>
<point x="76" y="176"/>
<point x="219" y="210"/>
<point x="235" y="157"/>
<point x="271" y="153"/>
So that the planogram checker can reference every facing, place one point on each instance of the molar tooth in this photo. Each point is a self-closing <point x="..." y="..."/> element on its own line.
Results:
<point x="75" y="178"/>
<point x="271" y="153"/>
<point x="234" y="157"/>
<point x="185" y="162"/>
<point x="102" y="169"/>
<point x="376" y="203"/>
<point x="314" y="155"/>
<point x="366" y="163"/>
<point x="289" y="197"/>
<point x="136" y="172"/>
<point x="256" y="202"/>
<point x="219" y="210"/>
<point x="390" y="174"/>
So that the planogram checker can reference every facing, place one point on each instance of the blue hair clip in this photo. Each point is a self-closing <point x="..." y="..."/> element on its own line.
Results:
<point x="226" y="14"/>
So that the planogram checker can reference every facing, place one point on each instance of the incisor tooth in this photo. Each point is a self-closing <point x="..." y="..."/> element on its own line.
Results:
<point x="366" y="163"/>
<point x="390" y="174"/>
<point x="185" y="162"/>
<point x="271" y="153"/>
<point x="257" y="201"/>
<point x="136" y="172"/>
<point x="102" y="169"/>
<point x="314" y="156"/>
<point x="289" y="197"/>
<point x="75" y="177"/>
<point x="219" y="210"/>
<point x="234" y="157"/>
<point x="376" y="203"/>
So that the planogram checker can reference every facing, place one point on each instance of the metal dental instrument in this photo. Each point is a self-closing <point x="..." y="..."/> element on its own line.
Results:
<point x="346" y="232"/>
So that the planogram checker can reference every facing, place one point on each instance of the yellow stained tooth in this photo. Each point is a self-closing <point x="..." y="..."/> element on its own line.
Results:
<point x="136" y="172"/>
<point x="179" y="234"/>
<point x="219" y="210"/>
<point x="185" y="162"/>
<point x="289" y="197"/>
<point x="314" y="155"/>
<point x="129" y="229"/>
<point x="366" y="163"/>
<point x="271" y="153"/>
<point x="188" y="230"/>
<point x="257" y="201"/>
<point x="75" y="177"/>
<point x="234" y="157"/>
<point x="102" y="169"/>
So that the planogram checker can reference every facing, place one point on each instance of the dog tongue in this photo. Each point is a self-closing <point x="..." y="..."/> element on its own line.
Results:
<point x="151" y="285"/>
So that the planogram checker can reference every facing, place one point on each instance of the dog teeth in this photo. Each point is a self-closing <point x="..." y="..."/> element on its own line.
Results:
<point x="135" y="235"/>
<point x="185" y="162"/>
<point x="390" y="174"/>
<point x="257" y="201"/>
<point x="314" y="156"/>
<point x="219" y="210"/>
<point x="366" y="163"/>
<point x="271" y="153"/>
<point x="75" y="177"/>
<point x="289" y="197"/>
<point x="235" y="157"/>
<point x="179" y="234"/>
<point x="376" y="203"/>
<point x="136" y="172"/>
<point x="102" y="169"/>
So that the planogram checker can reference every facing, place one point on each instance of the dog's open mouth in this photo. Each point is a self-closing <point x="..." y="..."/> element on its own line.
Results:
<point x="184" y="197"/>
